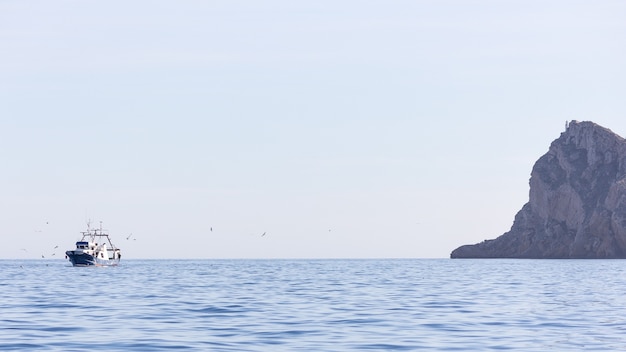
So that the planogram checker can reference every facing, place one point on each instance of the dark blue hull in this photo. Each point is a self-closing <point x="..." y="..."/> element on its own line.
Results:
<point x="80" y="259"/>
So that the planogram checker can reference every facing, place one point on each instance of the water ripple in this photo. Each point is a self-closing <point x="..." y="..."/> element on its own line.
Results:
<point x="314" y="305"/>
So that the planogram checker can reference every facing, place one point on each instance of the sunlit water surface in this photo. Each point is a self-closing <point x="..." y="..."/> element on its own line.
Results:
<point x="314" y="305"/>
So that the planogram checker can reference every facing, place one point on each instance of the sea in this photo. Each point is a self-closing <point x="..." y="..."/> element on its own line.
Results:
<point x="314" y="305"/>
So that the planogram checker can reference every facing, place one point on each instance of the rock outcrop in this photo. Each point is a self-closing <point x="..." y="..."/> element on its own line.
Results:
<point x="577" y="203"/>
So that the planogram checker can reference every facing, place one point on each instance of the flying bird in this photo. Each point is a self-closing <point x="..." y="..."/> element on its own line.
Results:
<point x="128" y="237"/>
<point x="263" y="234"/>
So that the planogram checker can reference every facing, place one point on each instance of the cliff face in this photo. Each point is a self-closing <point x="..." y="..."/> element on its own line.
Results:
<point x="577" y="203"/>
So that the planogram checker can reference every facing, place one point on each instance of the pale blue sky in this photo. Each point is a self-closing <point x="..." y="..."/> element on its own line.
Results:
<point x="407" y="128"/>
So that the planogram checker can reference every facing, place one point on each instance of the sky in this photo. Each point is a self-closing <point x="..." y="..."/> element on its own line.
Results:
<point x="340" y="129"/>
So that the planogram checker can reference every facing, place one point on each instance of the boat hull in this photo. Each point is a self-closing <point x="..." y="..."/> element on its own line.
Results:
<point x="84" y="259"/>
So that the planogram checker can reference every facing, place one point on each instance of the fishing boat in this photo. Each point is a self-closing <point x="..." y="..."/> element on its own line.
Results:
<point x="94" y="249"/>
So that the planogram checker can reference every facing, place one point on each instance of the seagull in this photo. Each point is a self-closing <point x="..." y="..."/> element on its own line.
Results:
<point x="55" y="247"/>
<point x="263" y="234"/>
<point x="42" y="256"/>
<point x="211" y="229"/>
<point x="128" y="238"/>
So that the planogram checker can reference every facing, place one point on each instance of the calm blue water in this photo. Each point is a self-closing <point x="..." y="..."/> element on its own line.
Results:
<point x="314" y="305"/>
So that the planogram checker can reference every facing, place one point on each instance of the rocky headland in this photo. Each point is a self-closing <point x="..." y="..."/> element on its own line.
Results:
<point x="577" y="202"/>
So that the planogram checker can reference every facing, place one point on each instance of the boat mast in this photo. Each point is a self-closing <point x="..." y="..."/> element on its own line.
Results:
<point x="107" y="237"/>
<point x="93" y="234"/>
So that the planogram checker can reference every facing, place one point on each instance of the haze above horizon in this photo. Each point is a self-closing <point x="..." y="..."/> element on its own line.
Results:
<point x="278" y="129"/>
